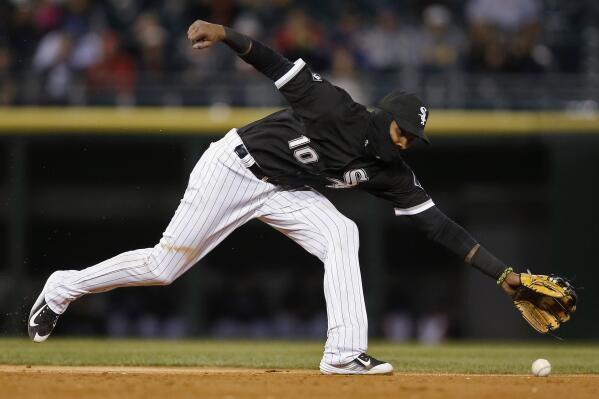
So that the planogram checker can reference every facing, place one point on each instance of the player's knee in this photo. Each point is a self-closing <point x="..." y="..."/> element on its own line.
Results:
<point x="156" y="274"/>
<point x="352" y="229"/>
<point x="161" y="277"/>
<point x="348" y="229"/>
<point x="345" y="233"/>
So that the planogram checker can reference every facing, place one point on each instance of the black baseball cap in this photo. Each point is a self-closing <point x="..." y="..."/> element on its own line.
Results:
<point x="409" y="112"/>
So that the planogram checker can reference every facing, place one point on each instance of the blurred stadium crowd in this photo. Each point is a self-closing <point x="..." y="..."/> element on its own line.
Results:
<point x="468" y="54"/>
<point x="513" y="54"/>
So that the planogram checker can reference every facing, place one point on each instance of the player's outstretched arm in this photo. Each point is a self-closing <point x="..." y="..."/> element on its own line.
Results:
<point x="204" y="34"/>
<point x="444" y="231"/>
<point x="308" y="93"/>
<point x="545" y="302"/>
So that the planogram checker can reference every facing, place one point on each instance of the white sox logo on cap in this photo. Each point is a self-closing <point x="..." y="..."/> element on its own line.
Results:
<point x="423" y="115"/>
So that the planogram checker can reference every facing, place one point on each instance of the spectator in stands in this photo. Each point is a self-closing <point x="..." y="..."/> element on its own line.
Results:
<point x="343" y="74"/>
<point x="77" y="16"/>
<point x="7" y="86"/>
<point x="22" y="34"/>
<point x="347" y="33"/>
<point x="112" y="78"/>
<point x="440" y="43"/>
<point x="48" y="16"/>
<point x="150" y="37"/>
<point x="503" y="35"/>
<point x="506" y="15"/>
<point x="386" y="46"/>
<point x="63" y="55"/>
<point x="51" y="64"/>
<point x="121" y="14"/>
<point x="302" y="37"/>
<point x="87" y="43"/>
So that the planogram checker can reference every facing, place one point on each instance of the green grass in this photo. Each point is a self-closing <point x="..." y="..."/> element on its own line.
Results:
<point x="482" y="357"/>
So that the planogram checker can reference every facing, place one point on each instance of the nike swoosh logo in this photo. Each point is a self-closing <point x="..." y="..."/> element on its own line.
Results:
<point x="40" y="338"/>
<point x="366" y="364"/>
<point x="32" y="322"/>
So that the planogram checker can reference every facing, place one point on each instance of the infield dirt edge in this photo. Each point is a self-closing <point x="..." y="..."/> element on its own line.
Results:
<point x="221" y="370"/>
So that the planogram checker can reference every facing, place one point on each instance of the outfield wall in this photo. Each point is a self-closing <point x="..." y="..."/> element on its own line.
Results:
<point x="79" y="185"/>
<point x="165" y="120"/>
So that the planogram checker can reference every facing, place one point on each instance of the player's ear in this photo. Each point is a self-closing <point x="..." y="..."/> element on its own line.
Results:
<point x="394" y="130"/>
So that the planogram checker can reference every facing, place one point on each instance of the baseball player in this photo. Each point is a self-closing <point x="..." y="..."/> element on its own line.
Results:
<point x="271" y="170"/>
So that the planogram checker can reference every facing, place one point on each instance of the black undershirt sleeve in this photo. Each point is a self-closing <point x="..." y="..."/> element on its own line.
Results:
<point x="261" y="57"/>
<point x="444" y="231"/>
<point x="238" y="42"/>
<point x="487" y="263"/>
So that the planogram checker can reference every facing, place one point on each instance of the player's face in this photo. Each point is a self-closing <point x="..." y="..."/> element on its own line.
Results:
<point x="399" y="138"/>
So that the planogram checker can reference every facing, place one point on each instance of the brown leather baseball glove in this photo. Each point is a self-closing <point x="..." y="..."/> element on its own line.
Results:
<point x="545" y="302"/>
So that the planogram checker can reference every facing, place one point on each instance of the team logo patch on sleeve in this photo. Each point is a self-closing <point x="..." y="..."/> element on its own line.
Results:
<point x="316" y="77"/>
<point x="416" y="182"/>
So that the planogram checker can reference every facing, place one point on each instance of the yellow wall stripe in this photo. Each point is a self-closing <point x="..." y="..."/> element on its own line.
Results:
<point x="217" y="120"/>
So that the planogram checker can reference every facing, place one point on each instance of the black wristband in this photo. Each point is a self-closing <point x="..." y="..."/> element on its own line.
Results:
<point x="484" y="261"/>
<point x="239" y="42"/>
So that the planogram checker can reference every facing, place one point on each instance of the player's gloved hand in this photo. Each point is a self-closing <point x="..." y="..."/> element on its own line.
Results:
<point x="510" y="283"/>
<point x="544" y="301"/>
<point x="203" y="34"/>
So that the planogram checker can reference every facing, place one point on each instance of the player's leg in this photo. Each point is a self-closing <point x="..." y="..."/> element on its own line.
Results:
<point x="222" y="195"/>
<point x="313" y="222"/>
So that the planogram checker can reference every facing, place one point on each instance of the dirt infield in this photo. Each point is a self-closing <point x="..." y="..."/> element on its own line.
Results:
<point x="132" y="382"/>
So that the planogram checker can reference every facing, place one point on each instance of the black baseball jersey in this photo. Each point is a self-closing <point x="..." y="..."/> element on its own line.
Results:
<point x="328" y="139"/>
<point x="322" y="141"/>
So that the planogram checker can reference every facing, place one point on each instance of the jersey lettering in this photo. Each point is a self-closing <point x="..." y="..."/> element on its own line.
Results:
<point x="355" y="176"/>
<point x="303" y="152"/>
<point x="306" y="155"/>
<point x="301" y="140"/>
<point x="351" y="178"/>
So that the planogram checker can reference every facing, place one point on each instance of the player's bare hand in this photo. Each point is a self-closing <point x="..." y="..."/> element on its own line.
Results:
<point x="203" y="34"/>
<point x="511" y="283"/>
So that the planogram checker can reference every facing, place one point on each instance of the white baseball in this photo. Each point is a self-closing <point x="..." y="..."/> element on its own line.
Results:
<point x="541" y="367"/>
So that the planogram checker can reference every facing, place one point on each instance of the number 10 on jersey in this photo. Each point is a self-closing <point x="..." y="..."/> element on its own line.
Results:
<point x="302" y="151"/>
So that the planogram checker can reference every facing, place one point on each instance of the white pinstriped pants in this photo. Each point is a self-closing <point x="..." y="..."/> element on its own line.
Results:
<point x="221" y="196"/>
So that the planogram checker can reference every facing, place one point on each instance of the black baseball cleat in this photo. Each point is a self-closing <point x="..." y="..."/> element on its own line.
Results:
<point x="41" y="321"/>
<point x="363" y="364"/>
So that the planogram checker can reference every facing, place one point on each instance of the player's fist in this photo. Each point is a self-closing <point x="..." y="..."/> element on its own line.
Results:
<point x="203" y="34"/>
